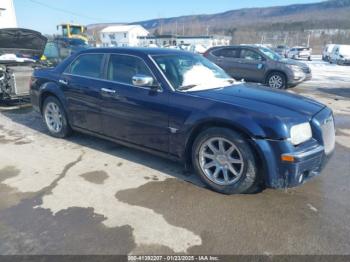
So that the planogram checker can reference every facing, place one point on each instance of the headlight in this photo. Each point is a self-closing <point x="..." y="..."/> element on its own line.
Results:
<point x="296" y="68"/>
<point x="300" y="133"/>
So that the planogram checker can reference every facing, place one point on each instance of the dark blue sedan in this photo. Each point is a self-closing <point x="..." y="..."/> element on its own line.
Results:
<point x="237" y="137"/>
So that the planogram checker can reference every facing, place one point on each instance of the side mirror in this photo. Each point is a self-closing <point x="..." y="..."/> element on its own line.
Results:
<point x="144" y="81"/>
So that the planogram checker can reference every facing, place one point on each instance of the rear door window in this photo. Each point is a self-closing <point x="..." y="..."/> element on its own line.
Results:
<point x="227" y="53"/>
<point x="122" y="68"/>
<point x="88" y="65"/>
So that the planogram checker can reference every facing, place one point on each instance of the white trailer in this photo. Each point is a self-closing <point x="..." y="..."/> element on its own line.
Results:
<point x="7" y="14"/>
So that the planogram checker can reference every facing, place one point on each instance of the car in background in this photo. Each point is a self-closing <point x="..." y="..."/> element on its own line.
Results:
<point x="340" y="55"/>
<point x="327" y="51"/>
<point x="198" y="49"/>
<point x="20" y="51"/>
<point x="58" y="49"/>
<point x="179" y="105"/>
<point x="300" y="52"/>
<point x="259" y="64"/>
<point x="282" y="50"/>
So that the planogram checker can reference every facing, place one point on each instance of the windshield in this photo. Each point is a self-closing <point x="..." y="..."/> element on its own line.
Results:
<point x="75" y="30"/>
<point x="187" y="71"/>
<point x="270" y="54"/>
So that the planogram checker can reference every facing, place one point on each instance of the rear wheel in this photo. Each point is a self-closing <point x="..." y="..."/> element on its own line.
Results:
<point x="55" y="118"/>
<point x="224" y="161"/>
<point x="276" y="80"/>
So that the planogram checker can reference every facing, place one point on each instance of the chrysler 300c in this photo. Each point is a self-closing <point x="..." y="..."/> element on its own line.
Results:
<point x="235" y="136"/>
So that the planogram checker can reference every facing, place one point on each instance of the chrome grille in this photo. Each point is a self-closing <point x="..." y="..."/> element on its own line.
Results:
<point x="328" y="135"/>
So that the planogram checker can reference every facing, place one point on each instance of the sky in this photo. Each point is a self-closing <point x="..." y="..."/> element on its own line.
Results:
<point x="44" y="15"/>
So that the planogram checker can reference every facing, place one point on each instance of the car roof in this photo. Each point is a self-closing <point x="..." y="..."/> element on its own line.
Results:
<point x="234" y="46"/>
<point x="135" y="51"/>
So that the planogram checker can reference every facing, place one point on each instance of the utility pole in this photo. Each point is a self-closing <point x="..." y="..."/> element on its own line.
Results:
<point x="262" y="38"/>
<point x="308" y="39"/>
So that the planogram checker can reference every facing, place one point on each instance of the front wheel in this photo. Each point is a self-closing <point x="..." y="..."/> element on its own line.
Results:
<point x="276" y="80"/>
<point x="55" y="118"/>
<point x="225" y="162"/>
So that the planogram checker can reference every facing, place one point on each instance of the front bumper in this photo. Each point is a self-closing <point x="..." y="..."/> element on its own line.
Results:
<point x="309" y="159"/>
<point x="307" y="164"/>
<point x="297" y="80"/>
<point x="345" y="61"/>
<point x="303" y="55"/>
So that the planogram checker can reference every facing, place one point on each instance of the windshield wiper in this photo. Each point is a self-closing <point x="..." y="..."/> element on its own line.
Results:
<point x="187" y="87"/>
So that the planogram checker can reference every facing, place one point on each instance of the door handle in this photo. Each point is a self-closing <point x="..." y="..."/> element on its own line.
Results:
<point x="108" y="91"/>
<point x="63" y="82"/>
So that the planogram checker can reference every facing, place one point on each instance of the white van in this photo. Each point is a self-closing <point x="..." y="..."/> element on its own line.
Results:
<point x="327" y="51"/>
<point x="340" y="55"/>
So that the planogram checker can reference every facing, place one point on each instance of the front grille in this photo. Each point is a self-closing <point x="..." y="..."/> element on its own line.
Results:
<point x="328" y="135"/>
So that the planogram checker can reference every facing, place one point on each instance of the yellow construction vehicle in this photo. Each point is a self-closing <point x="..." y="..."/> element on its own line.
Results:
<point x="73" y="31"/>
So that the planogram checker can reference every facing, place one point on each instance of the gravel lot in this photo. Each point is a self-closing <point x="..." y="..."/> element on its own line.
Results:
<point x="85" y="195"/>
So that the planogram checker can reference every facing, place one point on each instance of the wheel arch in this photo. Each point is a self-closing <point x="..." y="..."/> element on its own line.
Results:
<point x="268" y="73"/>
<point x="51" y="89"/>
<point x="201" y="127"/>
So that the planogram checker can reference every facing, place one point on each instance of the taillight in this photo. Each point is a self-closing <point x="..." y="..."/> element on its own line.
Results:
<point x="206" y="53"/>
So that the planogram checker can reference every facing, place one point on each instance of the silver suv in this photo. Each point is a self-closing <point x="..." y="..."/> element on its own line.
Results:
<point x="259" y="64"/>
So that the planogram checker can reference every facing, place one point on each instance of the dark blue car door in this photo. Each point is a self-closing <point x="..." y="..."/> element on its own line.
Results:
<point x="138" y="115"/>
<point x="81" y="84"/>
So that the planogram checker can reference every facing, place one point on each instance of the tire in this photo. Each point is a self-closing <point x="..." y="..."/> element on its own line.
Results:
<point x="246" y="179"/>
<point x="55" y="118"/>
<point x="276" y="80"/>
<point x="339" y="63"/>
<point x="309" y="58"/>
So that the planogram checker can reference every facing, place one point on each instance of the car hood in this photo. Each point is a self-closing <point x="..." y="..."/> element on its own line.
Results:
<point x="261" y="99"/>
<point x="287" y="61"/>
<point x="22" y="42"/>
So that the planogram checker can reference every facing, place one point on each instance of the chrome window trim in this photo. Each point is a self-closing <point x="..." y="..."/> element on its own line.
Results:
<point x="160" y="90"/>
<point x="113" y="82"/>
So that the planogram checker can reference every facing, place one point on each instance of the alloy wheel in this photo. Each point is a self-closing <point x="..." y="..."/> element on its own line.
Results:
<point x="276" y="81"/>
<point x="53" y="117"/>
<point x="221" y="161"/>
